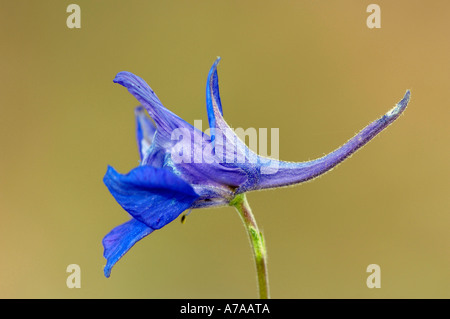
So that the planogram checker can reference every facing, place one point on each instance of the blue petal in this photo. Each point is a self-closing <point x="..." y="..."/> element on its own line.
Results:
<point x="154" y="196"/>
<point x="119" y="240"/>
<point x="213" y="103"/>
<point x="165" y="120"/>
<point x="145" y="131"/>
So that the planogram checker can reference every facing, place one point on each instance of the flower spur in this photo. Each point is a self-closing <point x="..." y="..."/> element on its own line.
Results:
<point x="183" y="168"/>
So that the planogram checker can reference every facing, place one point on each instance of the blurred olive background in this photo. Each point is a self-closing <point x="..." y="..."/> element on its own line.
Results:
<point x="313" y="69"/>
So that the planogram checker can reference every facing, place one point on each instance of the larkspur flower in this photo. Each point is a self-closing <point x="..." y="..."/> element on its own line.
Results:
<point x="161" y="188"/>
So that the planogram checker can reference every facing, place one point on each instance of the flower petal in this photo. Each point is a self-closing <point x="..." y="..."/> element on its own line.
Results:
<point x="154" y="196"/>
<point x="213" y="103"/>
<point x="225" y="143"/>
<point x="288" y="173"/>
<point x="165" y="120"/>
<point x="145" y="131"/>
<point x="119" y="240"/>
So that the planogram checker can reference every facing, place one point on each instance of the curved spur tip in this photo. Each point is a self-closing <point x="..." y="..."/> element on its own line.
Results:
<point x="401" y="106"/>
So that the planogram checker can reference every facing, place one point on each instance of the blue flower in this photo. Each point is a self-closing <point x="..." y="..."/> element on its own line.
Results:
<point x="183" y="168"/>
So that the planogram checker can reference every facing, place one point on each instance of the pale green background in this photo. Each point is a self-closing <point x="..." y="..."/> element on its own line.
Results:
<point x="310" y="68"/>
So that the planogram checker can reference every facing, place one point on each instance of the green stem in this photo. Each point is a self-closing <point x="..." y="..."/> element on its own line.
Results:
<point x="257" y="242"/>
